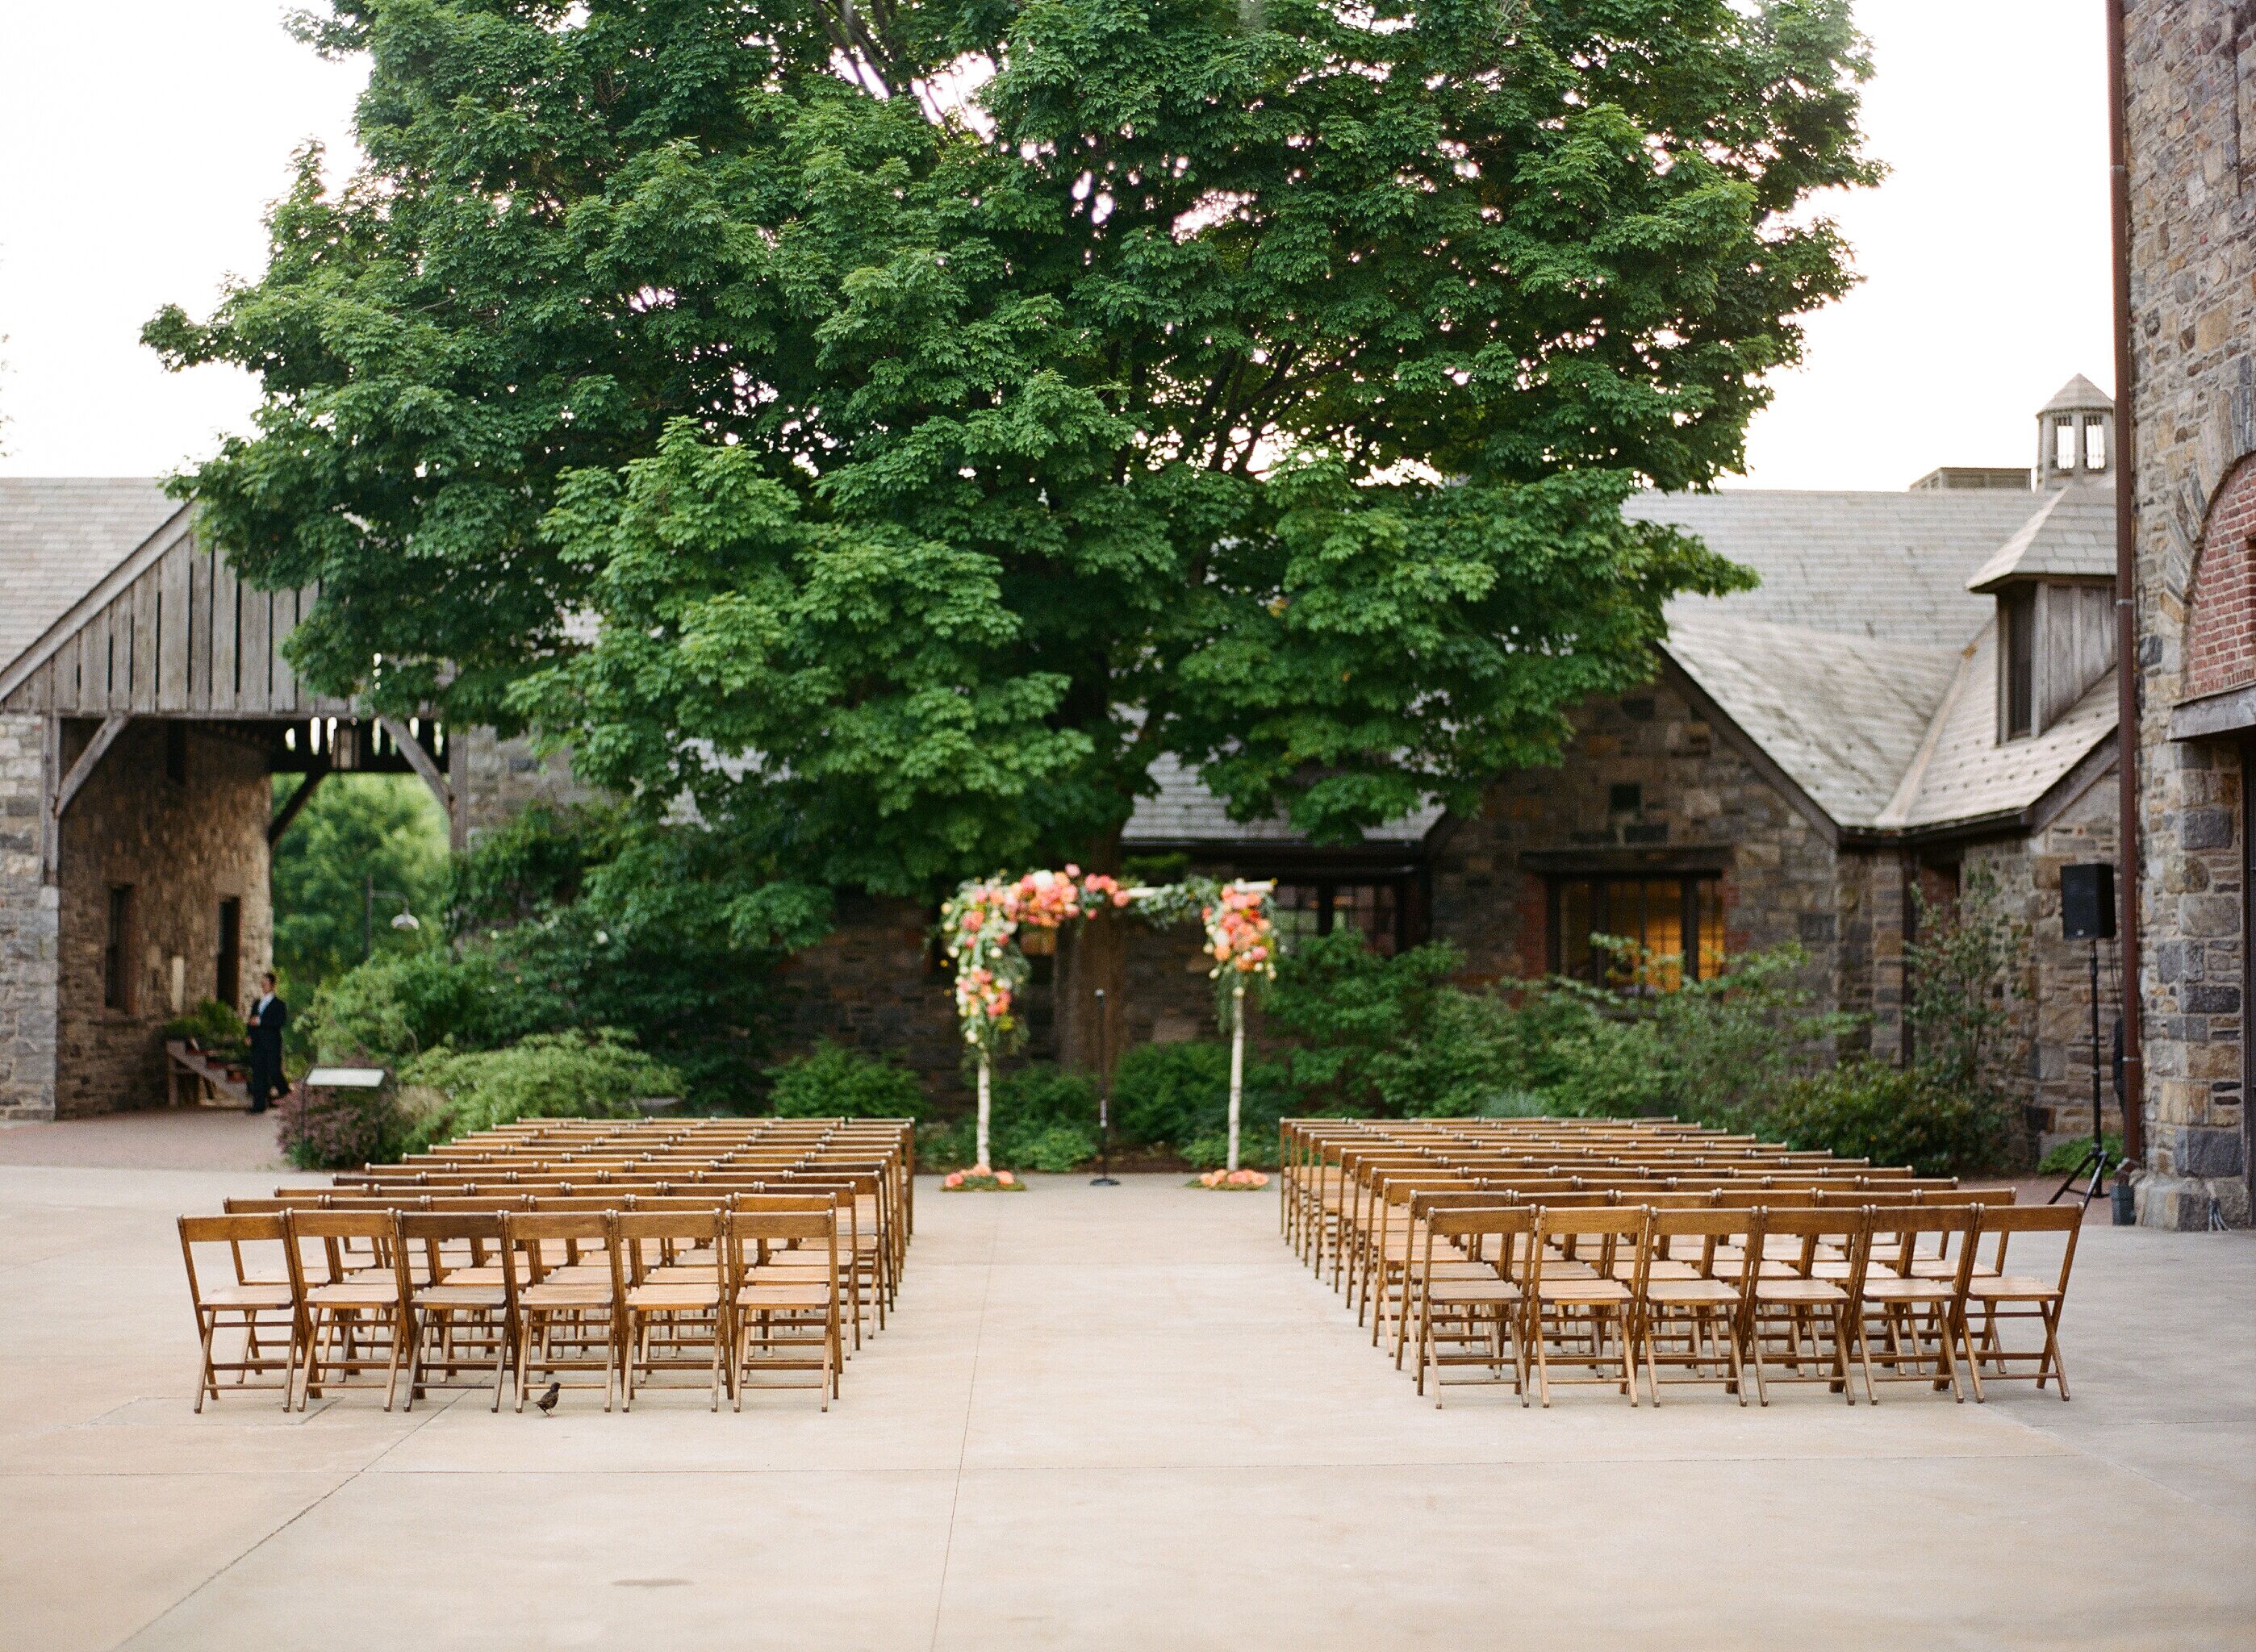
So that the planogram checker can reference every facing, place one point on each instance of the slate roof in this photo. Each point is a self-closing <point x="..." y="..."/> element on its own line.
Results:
<point x="2079" y="393"/>
<point x="1891" y="566"/>
<point x="1866" y="665"/>
<point x="1842" y="716"/>
<point x="2071" y="535"/>
<point x="1963" y="772"/>
<point x="1186" y="812"/>
<point x="58" y="536"/>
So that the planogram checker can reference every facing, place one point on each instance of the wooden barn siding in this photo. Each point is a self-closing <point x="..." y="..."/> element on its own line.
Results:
<point x="186" y="638"/>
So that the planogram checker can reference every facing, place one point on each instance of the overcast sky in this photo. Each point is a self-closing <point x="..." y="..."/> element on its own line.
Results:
<point x="140" y="140"/>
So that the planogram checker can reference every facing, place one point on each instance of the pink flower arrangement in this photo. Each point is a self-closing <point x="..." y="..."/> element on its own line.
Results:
<point x="1233" y="1179"/>
<point x="1238" y="934"/>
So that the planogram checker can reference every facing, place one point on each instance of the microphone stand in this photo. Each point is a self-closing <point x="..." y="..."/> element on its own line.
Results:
<point x="1103" y="1177"/>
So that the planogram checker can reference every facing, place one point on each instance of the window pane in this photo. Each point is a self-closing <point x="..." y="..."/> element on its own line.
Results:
<point x="1575" y="926"/>
<point x="1368" y="909"/>
<point x="1664" y="936"/>
<point x="1297" y="910"/>
<point x="1710" y="894"/>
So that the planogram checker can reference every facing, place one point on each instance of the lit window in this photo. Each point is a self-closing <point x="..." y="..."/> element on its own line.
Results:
<point x="1676" y="925"/>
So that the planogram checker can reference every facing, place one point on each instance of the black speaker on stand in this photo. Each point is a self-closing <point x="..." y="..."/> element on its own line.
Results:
<point x="2087" y="913"/>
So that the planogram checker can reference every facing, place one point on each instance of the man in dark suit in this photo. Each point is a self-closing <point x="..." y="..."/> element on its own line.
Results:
<point x="269" y="1014"/>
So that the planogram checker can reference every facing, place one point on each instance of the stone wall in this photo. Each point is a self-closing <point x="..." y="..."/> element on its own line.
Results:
<point x="28" y="926"/>
<point x="182" y="847"/>
<point x="494" y="778"/>
<point x="2190" y="67"/>
<point x="1702" y="804"/>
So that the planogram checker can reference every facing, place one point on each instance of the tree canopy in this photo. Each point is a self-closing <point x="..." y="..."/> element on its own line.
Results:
<point x="944" y="409"/>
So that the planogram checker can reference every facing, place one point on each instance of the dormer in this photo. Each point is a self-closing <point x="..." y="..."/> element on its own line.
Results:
<point x="2055" y="579"/>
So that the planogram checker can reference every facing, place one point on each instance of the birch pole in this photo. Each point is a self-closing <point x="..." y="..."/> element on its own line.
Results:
<point x="1236" y="1061"/>
<point x="985" y="1091"/>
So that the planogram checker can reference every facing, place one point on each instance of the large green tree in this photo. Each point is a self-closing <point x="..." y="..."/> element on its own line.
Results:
<point x="947" y="408"/>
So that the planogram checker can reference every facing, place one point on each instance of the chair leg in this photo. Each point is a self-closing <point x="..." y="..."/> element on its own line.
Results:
<point x="206" y="1379"/>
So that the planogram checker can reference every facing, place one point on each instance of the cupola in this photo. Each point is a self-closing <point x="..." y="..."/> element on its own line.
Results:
<point x="2076" y="436"/>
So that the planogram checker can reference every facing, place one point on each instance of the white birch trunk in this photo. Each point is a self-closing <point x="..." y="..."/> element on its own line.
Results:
<point x="1236" y="1062"/>
<point x="984" y="1097"/>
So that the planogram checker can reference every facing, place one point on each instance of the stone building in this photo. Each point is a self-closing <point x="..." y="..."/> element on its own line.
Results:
<point x="2189" y="122"/>
<point x="1921" y="686"/>
<point x="145" y="705"/>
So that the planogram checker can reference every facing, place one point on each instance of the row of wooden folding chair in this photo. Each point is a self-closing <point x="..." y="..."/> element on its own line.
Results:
<point x="427" y="1297"/>
<point x="1717" y="1294"/>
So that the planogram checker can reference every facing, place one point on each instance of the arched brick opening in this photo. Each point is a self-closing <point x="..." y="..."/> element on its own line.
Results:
<point x="2221" y="627"/>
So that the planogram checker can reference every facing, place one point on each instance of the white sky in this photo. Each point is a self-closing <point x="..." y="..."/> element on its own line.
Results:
<point x="140" y="139"/>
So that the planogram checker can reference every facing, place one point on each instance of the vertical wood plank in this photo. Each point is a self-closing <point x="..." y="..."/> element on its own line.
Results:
<point x="173" y="635"/>
<point x="223" y="660"/>
<point x="94" y="695"/>
<point x="141" y="687"/>
<point x="199" y="615"/>
<point x="287" y="607"/>
<point x="256" y="648"/>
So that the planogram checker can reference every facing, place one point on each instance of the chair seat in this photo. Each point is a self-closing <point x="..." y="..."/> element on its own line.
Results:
<point x="683" y="1293"/>
<point x="355" y="1293"/>
<point x="1684" y="1293"/>
<point x="1798" y="1292"/>
<point x="250" y="1296"/>
<point x="1591" y="1290"/>
<point x="782" y="1296"/>
<point x="454" y="1294"/>
<point x="566" y="1293"/>
<point x="1490" y="1290"/>
<point x="1890" y="1288"/>
<point x="2012" y="1288"/>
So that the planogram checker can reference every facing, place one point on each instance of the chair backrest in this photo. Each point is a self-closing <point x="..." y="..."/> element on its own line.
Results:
<point x="1849" y="1230"/>
<point x="1709" y="1227"/>
<point x="530" y="1233"/>
<point x="1607" y="1230"/>
<point x="235" y="1232"/>
<point x="1911" y="1226"/>
<point x="333" y="1232"/>
<point x="2005" y="1220"/>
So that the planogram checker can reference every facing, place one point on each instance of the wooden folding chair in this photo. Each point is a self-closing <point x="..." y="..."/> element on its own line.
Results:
<point x="568" y="1319"/>
<point x="1917" y="1313"/>
<point x="666" y="1275"/>
<point x="1475" y="1315"/>
<point x="462" y="1308"/>
<point x="1791" y="1300"/>
<point x="2003" y="1298"/>
<point x="351" y="1313"/>
<point x="254" y="1301"/>
<point x="1577" y="1305"/>
<point x="1690" y="1318"/>
<point x="786" y="1319"/>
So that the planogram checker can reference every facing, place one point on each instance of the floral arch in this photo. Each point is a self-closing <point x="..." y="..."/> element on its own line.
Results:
<point x="980" y="925"/>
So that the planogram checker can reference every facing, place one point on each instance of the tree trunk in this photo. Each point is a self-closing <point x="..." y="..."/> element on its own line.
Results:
<point x="1093" y="957"/>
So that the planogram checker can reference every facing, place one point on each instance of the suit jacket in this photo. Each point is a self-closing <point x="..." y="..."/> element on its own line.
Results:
<point x="266" y="1037"/>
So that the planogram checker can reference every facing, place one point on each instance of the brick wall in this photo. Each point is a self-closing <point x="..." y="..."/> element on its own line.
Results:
<point x="182" y="847"/>
<point x="2190" y="65"/>
<point x="28" y="920"/>
<point x="2220" y="647"/>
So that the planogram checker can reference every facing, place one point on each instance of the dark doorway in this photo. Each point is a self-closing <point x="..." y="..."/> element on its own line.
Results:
<point x="228" y="977"/>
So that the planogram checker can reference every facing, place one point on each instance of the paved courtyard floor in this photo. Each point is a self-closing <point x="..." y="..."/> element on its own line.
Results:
<point x="1107" y="1418"/>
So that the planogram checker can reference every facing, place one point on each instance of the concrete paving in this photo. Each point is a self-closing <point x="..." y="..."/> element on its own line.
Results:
<point x="1109" y="1418"/>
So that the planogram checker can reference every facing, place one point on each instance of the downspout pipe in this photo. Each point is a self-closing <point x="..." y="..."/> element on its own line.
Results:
<point x="2126" y="617"/>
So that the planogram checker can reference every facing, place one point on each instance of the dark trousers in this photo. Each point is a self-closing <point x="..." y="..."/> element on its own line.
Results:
<point x="266" y="1080"/>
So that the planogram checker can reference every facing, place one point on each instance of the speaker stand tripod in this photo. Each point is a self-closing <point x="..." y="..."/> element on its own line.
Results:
<point x="2094" y="1163"/>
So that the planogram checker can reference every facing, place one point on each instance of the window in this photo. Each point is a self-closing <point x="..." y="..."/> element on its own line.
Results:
<point x="1317" y="906"/>
<point x="2064" y="444"/>
<point x="117" y="951"/>
<point x="2017" y="617"/>
<point x="227" y="976"/>
<point x="1678" y="923"/>
<point x="2095" y="444"/>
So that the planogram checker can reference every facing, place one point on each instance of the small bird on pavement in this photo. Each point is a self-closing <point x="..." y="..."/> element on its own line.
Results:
<point x="546" y="1403"/>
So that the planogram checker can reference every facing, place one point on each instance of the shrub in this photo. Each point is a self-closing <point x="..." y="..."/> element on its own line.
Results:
<point x="1054" y="1147"/>
<point x="1891" y="1116"/>
<point x="1032" y="1102"/>
<point x="568" y="1075"/>
<point x="2066" y="1156"/>
<point x="396" y="1006"/>
<point x="1354" y="1017"/>
<point x="1257" y="1150"/>
<point x="337" y="1129"/>
<point x="831" y="1082"/>
<point x="945" y="1147"/>
<point x="211" y="1023"/>
<point x="1170" y="1093"/>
